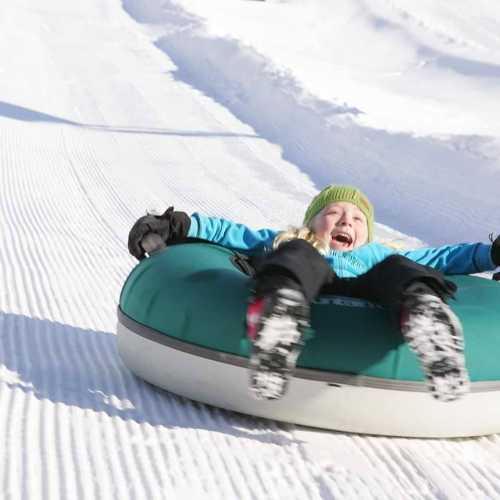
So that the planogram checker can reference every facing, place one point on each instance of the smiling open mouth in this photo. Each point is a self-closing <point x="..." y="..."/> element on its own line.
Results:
<point x="343" y="238"/>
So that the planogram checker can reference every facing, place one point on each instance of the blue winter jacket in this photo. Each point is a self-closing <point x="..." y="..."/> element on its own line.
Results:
<point x="465" y="258"/>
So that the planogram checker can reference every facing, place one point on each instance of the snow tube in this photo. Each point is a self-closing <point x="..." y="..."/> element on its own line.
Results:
<point x="181" y="326"/>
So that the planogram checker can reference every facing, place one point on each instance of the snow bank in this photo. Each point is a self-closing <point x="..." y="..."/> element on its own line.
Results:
<point x="404" y="175"/>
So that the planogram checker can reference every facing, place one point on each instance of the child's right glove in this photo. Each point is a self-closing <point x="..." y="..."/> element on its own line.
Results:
<point x="495" y="250"/>
<point x="170" y="226"/>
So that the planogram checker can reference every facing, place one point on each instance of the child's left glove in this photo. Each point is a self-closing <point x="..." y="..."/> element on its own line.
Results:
<point x="170" y="226"/>
<point x="495" y="250"/>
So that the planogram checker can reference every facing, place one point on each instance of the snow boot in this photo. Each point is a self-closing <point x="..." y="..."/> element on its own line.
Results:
<point x="276" y="324"/>
<point x="434" y="333"/>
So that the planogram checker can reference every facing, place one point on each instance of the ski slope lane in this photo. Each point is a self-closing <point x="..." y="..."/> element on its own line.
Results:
<point x="94" y="128"/>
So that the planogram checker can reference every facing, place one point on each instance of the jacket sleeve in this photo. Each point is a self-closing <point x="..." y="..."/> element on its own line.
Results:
<point x="465" y="258"/>
<point x="230" y="234"/>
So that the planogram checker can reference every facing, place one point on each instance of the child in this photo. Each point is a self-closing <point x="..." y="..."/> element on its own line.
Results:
<point x="334" y="252"/>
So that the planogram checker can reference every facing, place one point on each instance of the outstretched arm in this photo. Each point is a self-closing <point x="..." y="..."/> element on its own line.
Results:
<point x="174" y="226"/>
<point x="465" y="258"/>
<point x="230" y="234"/>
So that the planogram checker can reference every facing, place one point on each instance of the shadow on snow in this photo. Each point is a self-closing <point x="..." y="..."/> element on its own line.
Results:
<point x="82" y="368"/>
<point x="20" y="113"/>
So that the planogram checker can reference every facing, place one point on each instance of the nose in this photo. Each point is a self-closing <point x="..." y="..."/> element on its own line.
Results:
<point x="345" y="220"/>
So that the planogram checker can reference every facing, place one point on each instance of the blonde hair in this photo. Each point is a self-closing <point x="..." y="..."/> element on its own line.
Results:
<point x="305" y="233"/>
<point x="302" y="233"/>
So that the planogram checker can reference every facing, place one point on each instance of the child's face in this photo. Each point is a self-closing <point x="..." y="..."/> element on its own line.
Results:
<point x="343" y="225"/>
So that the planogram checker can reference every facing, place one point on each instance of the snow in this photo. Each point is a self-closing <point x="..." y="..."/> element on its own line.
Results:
<point x="241" y="109"/>
<point x="412" y="117"/>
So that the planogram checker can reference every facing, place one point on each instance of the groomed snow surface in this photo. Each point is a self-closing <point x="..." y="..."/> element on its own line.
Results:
<point x="241" y="109"/>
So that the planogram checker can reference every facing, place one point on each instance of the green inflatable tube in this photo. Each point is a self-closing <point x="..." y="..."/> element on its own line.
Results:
<point x="193" y="297"/>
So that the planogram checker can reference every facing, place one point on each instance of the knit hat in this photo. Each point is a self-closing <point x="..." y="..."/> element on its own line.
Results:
<point x="332" y="194"/>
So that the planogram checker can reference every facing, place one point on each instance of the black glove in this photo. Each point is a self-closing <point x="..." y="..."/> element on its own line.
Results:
<point x="170" y="226"/>
<point x="495" y="251"/>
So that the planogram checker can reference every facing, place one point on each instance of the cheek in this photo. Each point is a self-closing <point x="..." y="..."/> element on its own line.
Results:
<point x="321" y="226"/>
<point x="362" y="235"/>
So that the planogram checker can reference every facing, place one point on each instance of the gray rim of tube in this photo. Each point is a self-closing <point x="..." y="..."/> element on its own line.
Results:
<point x="331" y="378"/>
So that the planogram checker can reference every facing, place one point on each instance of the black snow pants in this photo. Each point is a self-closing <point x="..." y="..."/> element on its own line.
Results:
<point x="298" y="264"/>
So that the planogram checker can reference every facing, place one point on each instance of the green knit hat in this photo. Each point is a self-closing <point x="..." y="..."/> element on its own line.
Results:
<point x="332" y="194"/>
